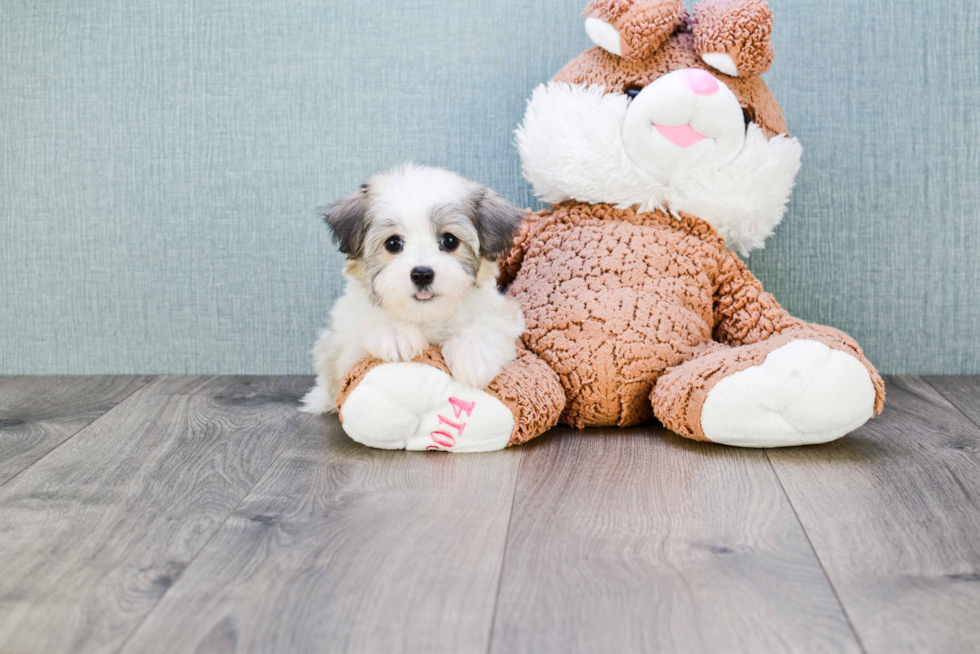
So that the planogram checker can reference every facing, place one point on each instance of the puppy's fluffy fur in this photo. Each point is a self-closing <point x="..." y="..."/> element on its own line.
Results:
<point x="421" y="246"/>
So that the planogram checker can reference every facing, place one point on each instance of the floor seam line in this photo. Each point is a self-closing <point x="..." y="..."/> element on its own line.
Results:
<point x="950" y="400"/>
<point x="81" y="429"/>
<point x="823" y="568"/>
<point x="503" y="558"/>
<point x="258" y="480"/>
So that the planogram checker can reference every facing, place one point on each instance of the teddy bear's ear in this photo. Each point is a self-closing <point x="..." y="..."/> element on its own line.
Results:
<point x="734" y="36"/>
<point x="632" y="29"/>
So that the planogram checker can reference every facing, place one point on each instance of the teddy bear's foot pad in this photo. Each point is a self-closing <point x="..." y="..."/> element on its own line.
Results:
<point x="803" y="393"/>
<point x="412" y="406"/>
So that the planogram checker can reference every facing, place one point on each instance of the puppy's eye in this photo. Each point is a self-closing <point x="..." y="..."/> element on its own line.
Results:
<point x="632" y="91"/>
<point x="449" y="242"/>
<point x="394" y="244"/>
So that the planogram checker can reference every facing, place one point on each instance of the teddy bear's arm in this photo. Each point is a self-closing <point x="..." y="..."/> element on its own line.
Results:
<point x="745" y="314"/>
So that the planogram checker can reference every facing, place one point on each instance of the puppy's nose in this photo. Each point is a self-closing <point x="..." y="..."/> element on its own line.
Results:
<point x="422" y="276"/>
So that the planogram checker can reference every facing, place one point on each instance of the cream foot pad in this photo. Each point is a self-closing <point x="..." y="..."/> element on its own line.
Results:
<point x="412" y="406"/>
<point x="803" y="393"/>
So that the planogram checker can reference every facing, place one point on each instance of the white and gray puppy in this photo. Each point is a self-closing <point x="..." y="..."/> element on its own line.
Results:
<point x="421" y="246"/>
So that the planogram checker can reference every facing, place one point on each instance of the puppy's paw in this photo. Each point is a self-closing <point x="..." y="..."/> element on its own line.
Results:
<point x="473" y="363"/>
<point x="398" y="342"/>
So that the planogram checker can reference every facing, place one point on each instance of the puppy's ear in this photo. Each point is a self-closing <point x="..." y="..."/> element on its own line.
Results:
<point x="347" y="220"/>
<point x="497" y="222"/>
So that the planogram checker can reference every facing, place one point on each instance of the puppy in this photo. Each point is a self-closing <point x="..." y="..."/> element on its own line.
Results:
<point x="421" y="246"/>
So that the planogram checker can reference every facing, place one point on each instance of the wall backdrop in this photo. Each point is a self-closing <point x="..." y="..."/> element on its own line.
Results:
<point x="161" y="162"/>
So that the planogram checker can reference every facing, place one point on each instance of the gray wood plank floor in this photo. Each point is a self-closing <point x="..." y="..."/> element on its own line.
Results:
<point x="893" y="512"/>
<point x="658" y="544"/>
<point x="359" y="549"/>
<point x="94" y="533"/>
<point x="208" y="515"/>
<point x="37" y="414"/>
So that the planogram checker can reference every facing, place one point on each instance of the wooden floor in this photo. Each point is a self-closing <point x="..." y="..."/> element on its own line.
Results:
<point x="207" y="514"/>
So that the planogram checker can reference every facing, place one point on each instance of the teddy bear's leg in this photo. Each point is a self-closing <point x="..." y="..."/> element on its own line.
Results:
<point x="417" y="405"/>
<point x="787" y="390"/>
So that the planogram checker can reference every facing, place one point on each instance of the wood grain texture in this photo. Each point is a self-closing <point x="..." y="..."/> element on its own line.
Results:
<point x="638" y="540"/>
<point x="37" y="414"/>
<point x="95" y="533"/>
<point x="962" y="392"/>
<point x="893" y="512"/>
<point x="344" y="548"/>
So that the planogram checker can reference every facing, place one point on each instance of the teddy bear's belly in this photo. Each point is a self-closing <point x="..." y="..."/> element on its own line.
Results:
<point x="611" y="307"/>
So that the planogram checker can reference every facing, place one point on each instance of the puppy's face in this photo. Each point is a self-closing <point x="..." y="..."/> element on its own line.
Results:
<point x="420" y="238"/>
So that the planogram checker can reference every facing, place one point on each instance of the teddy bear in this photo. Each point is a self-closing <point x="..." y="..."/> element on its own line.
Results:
<point x="663" y="155"/>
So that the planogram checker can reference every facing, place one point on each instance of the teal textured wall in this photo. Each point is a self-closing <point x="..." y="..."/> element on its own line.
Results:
<point x="161" y="162"/>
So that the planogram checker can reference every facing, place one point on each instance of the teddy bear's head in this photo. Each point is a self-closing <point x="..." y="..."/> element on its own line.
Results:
<point x="667" y="112"/>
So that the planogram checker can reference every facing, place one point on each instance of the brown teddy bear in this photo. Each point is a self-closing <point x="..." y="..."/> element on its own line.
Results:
<point x="660" y="150"/>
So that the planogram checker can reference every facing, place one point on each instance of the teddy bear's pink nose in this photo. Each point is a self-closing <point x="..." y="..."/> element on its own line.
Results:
<point x="701" y="82"/>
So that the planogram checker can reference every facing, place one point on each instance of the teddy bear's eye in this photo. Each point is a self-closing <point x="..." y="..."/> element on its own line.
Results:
<point x="747" y="116"/>
<point x="633" y="91"/>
